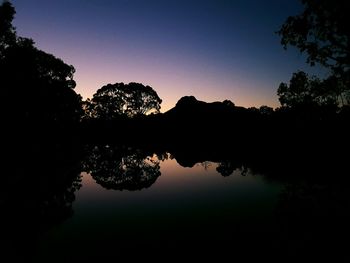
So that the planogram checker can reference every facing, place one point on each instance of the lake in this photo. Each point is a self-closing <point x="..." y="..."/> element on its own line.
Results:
<point x="127" y="203"/>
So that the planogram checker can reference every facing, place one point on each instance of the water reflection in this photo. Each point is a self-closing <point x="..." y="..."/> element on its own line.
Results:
<point x="122" y="168"/>
<point x="226" y="168"/>
<point x="38" y="186"/>
<point x="252" y="200"/>
<point x="119" y="167"/>
<point x="205" y="203"/>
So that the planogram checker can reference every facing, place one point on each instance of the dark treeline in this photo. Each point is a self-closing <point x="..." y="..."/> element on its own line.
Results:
<point x="38" y="95"/>
<point x="120" y="137"/>
<point x="265" y="137"/>
<point x="39" y="101"/>
<point x="40" y="179"/>
<point x="310" y="128"/>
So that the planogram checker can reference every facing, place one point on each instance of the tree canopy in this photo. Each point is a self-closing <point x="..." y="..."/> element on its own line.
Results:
<point x="321" y="31"/>
<point x="7" y="31"/>
<point x="36" y="86"/>
<point x="306" y="92"/>
<point x="114" y="100"/>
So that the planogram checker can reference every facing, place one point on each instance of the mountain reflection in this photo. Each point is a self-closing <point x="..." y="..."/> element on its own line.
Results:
<point x="46" y="176"/>
<point x="122" y="168"/>
<point x="226" y="168"/>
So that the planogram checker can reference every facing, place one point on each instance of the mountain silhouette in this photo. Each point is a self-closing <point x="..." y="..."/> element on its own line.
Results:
<point x="198" y="123"/>
<point x="190" y="109"/>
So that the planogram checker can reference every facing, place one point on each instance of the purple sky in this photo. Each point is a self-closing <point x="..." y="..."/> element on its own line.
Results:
<point x="214" y="50"/>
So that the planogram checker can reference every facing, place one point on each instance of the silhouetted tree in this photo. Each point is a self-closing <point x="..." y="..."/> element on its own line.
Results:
<point x="306" y="92"/>
<point x="112" y="101"/>
<point x="122" y="169"/>
<point x="253" y="110"/>
<point x="86" y="108"/>
<point x="36" y="86"/>
<point x="7" y="31"/>
<point x="226" y="168"/>
<point x="322" y="32"/>
<point x="266" y="110"/>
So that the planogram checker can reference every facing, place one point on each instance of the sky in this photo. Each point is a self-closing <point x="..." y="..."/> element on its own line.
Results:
<point x="213" y="50"/>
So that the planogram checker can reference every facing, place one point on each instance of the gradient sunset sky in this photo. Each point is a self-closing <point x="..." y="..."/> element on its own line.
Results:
<point x="213" y="50"/>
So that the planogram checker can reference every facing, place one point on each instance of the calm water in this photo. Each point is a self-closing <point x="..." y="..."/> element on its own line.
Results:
<point x="185" y="210"/>
<point x="112" y="203"/>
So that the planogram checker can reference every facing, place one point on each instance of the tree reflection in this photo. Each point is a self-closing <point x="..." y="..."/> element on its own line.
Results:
<point x="227" y="167"/>
<point x="38" y="184"/>
<point x="121" y="168"/>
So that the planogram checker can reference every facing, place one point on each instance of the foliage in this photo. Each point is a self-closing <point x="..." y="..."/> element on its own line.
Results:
<point x="321" y="31"/>
<point x="113" y="101"/>
<point x="306" y="92"/>
<point x="7" y="31"/>
<point x="36" y="86"/>
<point x="266" y="110"/>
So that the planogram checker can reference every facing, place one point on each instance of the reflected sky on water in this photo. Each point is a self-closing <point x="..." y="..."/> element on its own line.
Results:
<point x="183" y="206"/>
